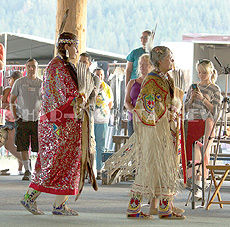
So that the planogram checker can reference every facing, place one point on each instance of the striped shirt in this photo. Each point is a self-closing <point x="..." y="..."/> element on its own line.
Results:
<point x="197" y="109"/>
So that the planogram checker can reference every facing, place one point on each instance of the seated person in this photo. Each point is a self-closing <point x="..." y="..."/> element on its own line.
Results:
<point x="202" y="106"/>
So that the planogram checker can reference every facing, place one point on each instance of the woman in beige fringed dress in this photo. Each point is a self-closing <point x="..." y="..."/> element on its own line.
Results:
<point x="154" y="125"/>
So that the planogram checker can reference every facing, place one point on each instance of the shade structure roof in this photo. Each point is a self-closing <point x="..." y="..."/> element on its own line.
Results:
<point x="20" y="47"/>
<point x="205" y="37"/>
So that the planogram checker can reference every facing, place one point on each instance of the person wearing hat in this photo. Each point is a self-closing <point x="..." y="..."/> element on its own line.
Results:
<point x="10" y="142"/>
<point x="63" y="129"/>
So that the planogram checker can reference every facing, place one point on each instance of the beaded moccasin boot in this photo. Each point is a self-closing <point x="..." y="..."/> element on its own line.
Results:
<point x="165" y="211"/>
<point x="29" y="202"/>
<point x="134" y="208"/>
<point x="64" y="210"/>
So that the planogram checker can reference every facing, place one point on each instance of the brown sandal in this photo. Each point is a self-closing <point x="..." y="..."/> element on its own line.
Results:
<point x="4" y="172"/>
<point x="139" y="215"/>
<point x="175" y="209"/>
<point x="178" y="210"/>
<point x="173" y="215"/>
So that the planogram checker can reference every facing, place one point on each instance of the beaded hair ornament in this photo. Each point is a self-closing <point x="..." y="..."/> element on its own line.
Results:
<point x="158" y="50"/>
<point x="68" y="41"/>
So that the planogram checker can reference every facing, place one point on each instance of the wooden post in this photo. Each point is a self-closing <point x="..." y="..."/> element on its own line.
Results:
<point x="76" y="22"/>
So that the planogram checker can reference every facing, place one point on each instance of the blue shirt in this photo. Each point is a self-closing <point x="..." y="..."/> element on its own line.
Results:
<point x="133" y="57"/>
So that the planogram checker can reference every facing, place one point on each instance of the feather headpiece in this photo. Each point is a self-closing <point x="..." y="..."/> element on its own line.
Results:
<point x="150" y="43"/>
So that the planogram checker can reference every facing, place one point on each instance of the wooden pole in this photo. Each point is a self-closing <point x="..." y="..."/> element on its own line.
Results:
<point x="76" y="21"/>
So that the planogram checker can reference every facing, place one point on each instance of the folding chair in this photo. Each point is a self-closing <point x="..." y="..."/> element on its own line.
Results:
<point x="226" y="170"/>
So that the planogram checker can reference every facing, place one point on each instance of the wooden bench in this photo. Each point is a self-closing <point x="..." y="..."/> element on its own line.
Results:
<point x="124" y="125"/>
<point x="213" y="168"/>
<point x="118" y="140"/>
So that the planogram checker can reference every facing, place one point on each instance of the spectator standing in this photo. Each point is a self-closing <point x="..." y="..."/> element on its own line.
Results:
<point x="85" y="58"/>
<point x="9" y="120"/>
<point x="2" y="64"/>
<point x="1" y="68"/>
<point x="133" y="88"/>
<point x="104" y="103"/>
<point x="1" y="57"/>
<point x="26" y="91"/>
<point x="132" y="58"/>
